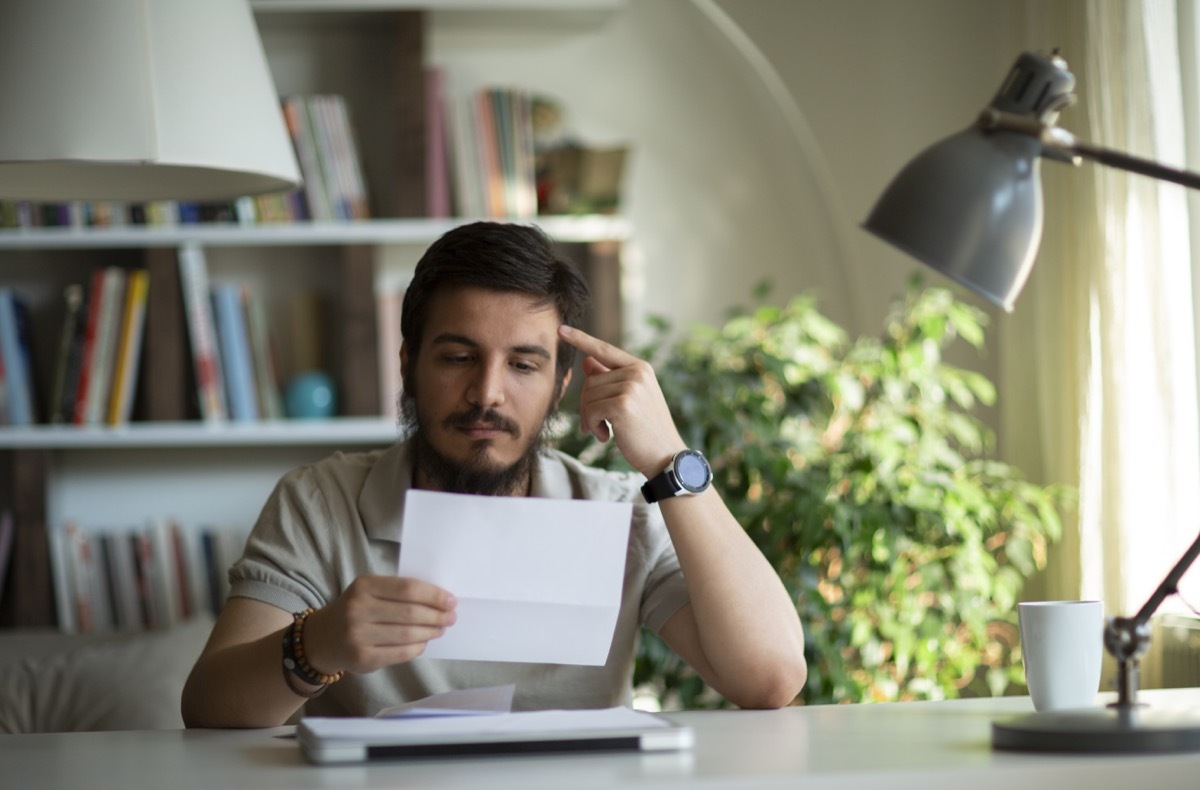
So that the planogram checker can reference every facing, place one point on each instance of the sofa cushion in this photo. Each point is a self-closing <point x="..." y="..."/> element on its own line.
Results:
<point x="54" y="682"/>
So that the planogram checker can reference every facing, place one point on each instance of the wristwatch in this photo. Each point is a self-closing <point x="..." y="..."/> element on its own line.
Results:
<point x="687" y="474"/>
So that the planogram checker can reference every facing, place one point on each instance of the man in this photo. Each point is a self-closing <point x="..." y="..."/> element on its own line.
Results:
<point x="316" y="613"/>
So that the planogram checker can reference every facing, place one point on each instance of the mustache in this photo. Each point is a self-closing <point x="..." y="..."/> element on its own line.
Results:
<point x="481" y="416"/>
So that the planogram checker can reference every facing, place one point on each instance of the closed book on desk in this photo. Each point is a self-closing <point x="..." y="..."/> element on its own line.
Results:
<point x="347" y="740"/>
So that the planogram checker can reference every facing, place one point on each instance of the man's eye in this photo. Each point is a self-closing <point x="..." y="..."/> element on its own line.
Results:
<point x="525" y="367"/>
<point x="458" y="358"/>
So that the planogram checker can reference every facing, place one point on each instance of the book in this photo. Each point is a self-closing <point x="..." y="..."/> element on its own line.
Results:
<point x="266" y="368"/>
<point x="332" y="174"/>
<point x="202" y="333"/>
<point x="60" y="408"/>
<point x="95" y="293"/>
<point x="14" y="348"/>
<point x="166" y="356"/>
<point x="104" y="349"/>
<point x="346" y="154"/>
<point x="234" y="342"/>
<point x="119" y="554"/>
<point x="491" y="177"/>
<point x="61" y="573"/>
<point x="78" y="563"/>
<point x="165" y="585"/>
<point x="193" y="570"/>
<point x="129" y="347"/>
<point x="299" y="126"/>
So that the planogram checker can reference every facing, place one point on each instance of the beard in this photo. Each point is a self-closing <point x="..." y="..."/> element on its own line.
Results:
<point x="477" y="474"/>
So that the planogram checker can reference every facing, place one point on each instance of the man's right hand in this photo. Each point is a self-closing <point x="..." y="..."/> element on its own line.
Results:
<point x="376" y="622"/>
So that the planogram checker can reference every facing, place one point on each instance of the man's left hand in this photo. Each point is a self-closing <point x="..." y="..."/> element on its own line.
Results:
<point x="621" y="391"/>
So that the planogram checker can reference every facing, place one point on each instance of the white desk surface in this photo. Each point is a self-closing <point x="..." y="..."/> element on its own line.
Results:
<point x="890" y="746"/>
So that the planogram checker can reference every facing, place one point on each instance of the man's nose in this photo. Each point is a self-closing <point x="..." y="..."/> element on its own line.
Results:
<point x="487" y="390"/>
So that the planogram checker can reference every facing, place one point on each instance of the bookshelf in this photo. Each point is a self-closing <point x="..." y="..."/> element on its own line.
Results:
<point x="371" y="51"/>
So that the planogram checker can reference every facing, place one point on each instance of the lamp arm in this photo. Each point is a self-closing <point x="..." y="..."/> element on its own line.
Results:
<point x="1127" y="638"/>
<point x="1061" y="144"/>
<point x="1169" y="585"/>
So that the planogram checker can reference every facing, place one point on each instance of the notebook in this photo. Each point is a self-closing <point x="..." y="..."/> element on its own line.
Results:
<point x="354" y="740"/>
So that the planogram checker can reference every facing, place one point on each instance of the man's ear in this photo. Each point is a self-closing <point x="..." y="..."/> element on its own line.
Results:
<point x="404" y="361"/>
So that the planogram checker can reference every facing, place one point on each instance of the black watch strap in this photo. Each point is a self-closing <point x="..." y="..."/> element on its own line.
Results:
<point x="688" y="473"/>
<point x="662" y="486"/>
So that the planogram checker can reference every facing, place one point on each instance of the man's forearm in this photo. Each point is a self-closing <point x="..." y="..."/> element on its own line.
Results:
<point x="240" y="685"/>
<point x="746" y="625"/>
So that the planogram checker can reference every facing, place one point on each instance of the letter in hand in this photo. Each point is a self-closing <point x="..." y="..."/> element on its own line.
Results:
<point x="376" y="622"/>
<point x="621" y="399"/>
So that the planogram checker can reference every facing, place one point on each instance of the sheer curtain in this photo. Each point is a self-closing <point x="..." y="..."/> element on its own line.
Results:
<point x="1105" y="334"/>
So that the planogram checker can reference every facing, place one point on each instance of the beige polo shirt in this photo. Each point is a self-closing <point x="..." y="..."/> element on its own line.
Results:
<point x="330" y="522"/>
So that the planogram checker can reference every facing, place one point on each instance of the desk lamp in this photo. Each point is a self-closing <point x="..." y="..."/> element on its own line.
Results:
<point x="970" y="207"/>
<point x="137" y="100"/>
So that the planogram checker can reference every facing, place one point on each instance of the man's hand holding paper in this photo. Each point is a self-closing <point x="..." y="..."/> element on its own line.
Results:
<point x="536" y="580"/>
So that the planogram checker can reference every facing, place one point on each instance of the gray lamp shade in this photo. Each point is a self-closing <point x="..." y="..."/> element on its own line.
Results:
<point x="970" y="206"/>
<point x="137" y="100"/>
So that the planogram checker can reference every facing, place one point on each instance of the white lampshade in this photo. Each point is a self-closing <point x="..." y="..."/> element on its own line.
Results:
<point x="137" y="100"/>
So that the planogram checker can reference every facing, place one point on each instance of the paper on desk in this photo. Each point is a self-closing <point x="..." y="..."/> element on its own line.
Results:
<point x="459" y="702"/>
<point x="537" y="580"/>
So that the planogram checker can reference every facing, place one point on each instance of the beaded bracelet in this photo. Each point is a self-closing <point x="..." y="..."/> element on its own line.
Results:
<point x="295" y="662"/>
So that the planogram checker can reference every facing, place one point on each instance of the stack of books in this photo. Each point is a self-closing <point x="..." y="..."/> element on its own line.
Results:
<point x="99" y="348"/>
<point x="232" y="351"/>
<point x="140" y="577"/>
<point x="491" y="156"/>
<point x="334" y="187"/>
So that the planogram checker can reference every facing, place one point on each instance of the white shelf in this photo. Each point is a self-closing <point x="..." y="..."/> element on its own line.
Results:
<point x="378" y="231"/>
<point x="325" y="6"/>
<point x="341" y="431"/>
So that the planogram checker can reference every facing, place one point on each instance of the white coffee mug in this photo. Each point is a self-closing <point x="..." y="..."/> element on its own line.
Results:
<point x="1062" y="645"/>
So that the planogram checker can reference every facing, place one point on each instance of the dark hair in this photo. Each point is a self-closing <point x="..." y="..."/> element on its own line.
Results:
<point x="502" y="257"/>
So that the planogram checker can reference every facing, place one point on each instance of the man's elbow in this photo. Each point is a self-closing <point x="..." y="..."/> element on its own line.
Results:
<point x="776" y="686"/>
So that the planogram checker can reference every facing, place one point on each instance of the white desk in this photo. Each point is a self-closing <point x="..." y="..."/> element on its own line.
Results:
<point x="894" y="746"/>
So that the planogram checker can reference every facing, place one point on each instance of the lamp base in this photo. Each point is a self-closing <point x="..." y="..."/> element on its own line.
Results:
<point x="1137" y="730"/>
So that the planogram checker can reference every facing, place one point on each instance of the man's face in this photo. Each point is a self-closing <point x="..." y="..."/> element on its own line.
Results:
<point x="482" y="387"/>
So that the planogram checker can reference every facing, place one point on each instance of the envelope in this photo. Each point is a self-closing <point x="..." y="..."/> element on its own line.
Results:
<point x="537" y="580"/>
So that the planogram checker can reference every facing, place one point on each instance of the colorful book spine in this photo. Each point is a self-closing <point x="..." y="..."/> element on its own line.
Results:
<point x="104" y="350"/>
<point x="61" y="406"/>
<point x="206" y="356"/>
<point x="299" y="125"/>
<point x="18" y="379"/>
<point x="235" y="352"/>
<point x="129" y="348"/>
<point x="266" y="372"/>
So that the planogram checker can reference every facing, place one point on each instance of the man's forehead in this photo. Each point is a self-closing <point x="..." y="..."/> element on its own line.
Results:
<point x="481" y="314"/>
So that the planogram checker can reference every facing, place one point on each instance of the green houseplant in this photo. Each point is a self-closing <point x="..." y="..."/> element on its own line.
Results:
<point x="859" y="471"/>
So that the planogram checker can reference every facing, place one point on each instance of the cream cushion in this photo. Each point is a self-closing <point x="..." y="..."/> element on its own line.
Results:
<point x="54" y="682"/>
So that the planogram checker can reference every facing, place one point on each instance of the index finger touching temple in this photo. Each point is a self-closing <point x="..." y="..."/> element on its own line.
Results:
<point x="606" y="353"/>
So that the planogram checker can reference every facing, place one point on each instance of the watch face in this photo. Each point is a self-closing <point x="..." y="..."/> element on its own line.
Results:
<point x="692" y="471"/>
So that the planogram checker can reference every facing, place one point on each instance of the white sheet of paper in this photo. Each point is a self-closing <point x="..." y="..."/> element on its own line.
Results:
<point x="485" y="701"/>
<point x="537" y="580"/>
